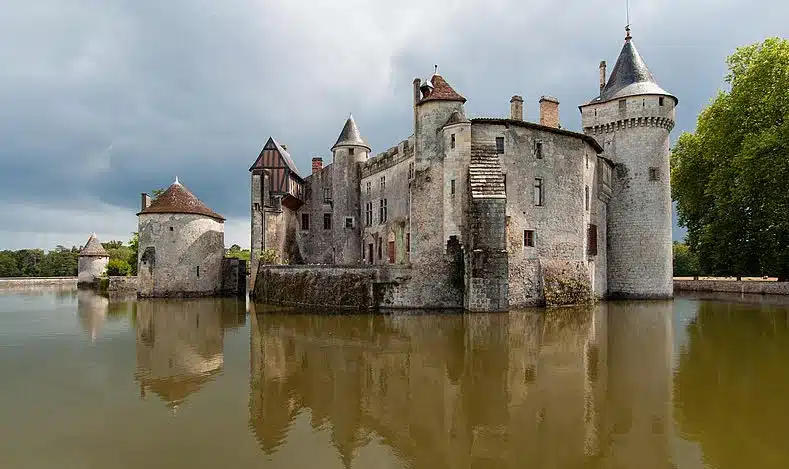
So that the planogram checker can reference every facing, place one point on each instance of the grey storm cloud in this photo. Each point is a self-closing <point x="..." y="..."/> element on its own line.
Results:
<point x="102" y="100"/>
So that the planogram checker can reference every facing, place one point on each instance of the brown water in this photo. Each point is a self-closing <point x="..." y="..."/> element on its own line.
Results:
<point x="694" y="383"/>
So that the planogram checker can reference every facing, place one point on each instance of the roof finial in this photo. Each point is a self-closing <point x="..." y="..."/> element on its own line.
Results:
<point x="176" y="181"/>
<point x="435" y="69"/>
<point x="627" y="27"/>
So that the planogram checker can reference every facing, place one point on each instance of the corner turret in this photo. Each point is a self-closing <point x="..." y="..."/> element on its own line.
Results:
<point x="349" y="152"/>
<point x="632" y="118"/>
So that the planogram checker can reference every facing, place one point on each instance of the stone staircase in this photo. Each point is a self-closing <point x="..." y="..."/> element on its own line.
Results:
<point x="485" y="176"/>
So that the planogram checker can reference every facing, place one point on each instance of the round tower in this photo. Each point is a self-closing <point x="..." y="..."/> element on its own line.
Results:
<point x="632" y="119"/>
<point x="433" y="109"/>
<point x="93" y="260"/>
<point x="348" y="154"/>
<point x="181" y="246"/>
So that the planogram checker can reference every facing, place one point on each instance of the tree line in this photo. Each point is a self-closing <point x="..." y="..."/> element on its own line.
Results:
<point x="730" y="178"/>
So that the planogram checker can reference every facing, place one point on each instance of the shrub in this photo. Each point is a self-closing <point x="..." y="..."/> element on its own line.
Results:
<point x="118" y="267"/>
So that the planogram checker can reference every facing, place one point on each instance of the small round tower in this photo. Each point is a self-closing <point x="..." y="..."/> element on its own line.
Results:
<point x="632" y="119"/>
<point x="181" y="246"/>
<point x="93" y="260"/>
<point x="348" y="154"/>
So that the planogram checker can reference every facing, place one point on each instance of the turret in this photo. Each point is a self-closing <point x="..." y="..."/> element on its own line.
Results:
<point x="632" y="118"/>
<point x="93" y="260"/>
<point x="348" y="153"/>
<point x="436" y="105"/>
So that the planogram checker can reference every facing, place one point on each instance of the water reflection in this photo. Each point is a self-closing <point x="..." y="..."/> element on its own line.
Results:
<point x="180" y="345"/>
<point x="564" y="388"/>
<point x="732" y="384"/>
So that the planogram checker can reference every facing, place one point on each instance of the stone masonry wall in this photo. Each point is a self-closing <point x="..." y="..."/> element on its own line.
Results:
<point x="762" y="288"/>
<point x="172" y="247"/>
<point x="89" y="268"/>
<point x="635" y="135"/>
<point x="487" y="270"/>
<point x="317" y="243"/>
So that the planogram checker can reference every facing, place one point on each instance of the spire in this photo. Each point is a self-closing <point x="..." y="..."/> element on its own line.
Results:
<point x="350" y="135"/>
<point x="176" y="181"/>
<point x="630" y="76"/>
<point x="93" y="248"/>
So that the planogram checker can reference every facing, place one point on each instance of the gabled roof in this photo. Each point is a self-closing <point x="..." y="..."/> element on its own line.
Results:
<point x="531" y="125"/>
<point x="350" y="136"/>
<point x="272" y="144"/>
<point x="630" y="76"/>
<point x="93" y="248"/>
<point x="442" y="91"/>
<point x="178" y="199"/>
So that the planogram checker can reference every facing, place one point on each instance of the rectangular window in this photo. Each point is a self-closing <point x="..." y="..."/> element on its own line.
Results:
<point x="654" y="174"/>
<point x="408" y="243"/>
<point x="380" y="253"/>
<point x="383" y="183"/>
<point x="528" y="238"/>
<point x="586" y="203"/>
<point x="368" y="213"/>
<point x="305" y="221"/>
<point x="660" y="100"/>
<point x="622" y="105"/>
<point x="452" y="187"/>
<point x="198" y="271"/>
<point x="538" y="149"/>
<point x="382" y="212"/>
<point x="326" y="196"/>
<point x="452" y="141"/>
<point x="539" y="197"/>
<point x="411" y="170"/>
<point x="391" y="251"/>
<point x="500" y="145"/>
<point x="370" y="253"/>
<point x="327" y="221"/>
<point x="349" y="222"/>
<point x="369" y="187"/>
<point x="350" y="151"/>
<point x="591" y="238"/>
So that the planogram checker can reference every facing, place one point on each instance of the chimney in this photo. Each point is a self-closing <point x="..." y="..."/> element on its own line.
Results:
<point x="145" y="201"/>
<point x="317" y="164"/>
<point x="516" y="108"/>
<point x="417" y="97"/>
<point x="602" y="75"/>
<point x="284" y="147"/>
<point x="549" y="112"/>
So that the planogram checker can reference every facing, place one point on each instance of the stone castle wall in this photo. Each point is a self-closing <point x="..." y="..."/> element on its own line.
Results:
<point x="635" y="135"/>
<point x="742" y="287"/>
<point x="89" y="268"/>
<point x="180" y="255"/>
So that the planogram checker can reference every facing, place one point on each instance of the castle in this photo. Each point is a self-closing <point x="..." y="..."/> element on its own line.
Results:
<point x="513" y="208"/>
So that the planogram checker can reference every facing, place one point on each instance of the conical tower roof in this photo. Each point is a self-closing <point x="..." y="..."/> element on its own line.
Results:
<point x="630" y="76"/>
<point x="350" y="136"/>
<point x="442" y="91"/>
<point x="178" y="199"/>
<point x="93" y="248"/>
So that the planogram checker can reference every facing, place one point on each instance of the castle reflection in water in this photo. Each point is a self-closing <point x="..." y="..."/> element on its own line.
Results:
<point x="565" y="388"/>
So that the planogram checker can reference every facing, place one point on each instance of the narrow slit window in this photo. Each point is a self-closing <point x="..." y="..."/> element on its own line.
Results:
<point x="500" y="145"/>
<point x="586" y="200"/>
<point x="452" y="187"/>
<point x="538" y="149"/>
<point x="592" y="240"/>
<point x="539" y="196"/>
<point x="661" y="100"/>
<point x="654" y="174"/>
<point x="452" y="141"/>
<point x="198" y="271"/>
<point x="305" y="221"/>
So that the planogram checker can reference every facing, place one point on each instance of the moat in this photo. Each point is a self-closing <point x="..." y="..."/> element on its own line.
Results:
<point x="695" y="383"/>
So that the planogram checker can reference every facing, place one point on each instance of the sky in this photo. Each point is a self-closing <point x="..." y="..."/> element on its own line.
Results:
<point x="101" y="100"/>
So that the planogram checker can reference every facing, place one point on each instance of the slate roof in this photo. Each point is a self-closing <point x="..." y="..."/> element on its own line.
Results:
<point x="442" y="91"/>
<point x="531" y="125"/>
<point x="178" y="199"/>
<point x="93" y="248"/>
<point x="350" y="135"/>
<point x="630" y="77"/>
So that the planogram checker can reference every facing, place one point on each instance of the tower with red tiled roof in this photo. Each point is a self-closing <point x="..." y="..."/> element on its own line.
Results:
<point x="181" y="246"/>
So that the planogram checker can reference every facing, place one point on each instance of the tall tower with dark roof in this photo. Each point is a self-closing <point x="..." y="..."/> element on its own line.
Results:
<point x="632" y="118"/>
<point x="348" y="154"/>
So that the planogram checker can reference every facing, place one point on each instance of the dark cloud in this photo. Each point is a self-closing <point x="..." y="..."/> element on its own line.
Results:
<point x="103" y="100"/>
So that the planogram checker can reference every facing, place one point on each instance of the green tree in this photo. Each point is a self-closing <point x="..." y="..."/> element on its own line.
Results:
<point x="118" y="267"/>
<point x="731" y="178"/>
<point x="236" y="252"/>
<point x="134" y="245"/>
<point x="686" y="263"/>
<point x="8" y="264"/>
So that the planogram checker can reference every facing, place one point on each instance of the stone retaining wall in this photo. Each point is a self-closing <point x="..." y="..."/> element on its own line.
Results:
<point x="36" y="282"/>
<point x="761" y="288"/>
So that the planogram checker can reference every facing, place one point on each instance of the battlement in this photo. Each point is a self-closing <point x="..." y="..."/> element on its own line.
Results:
<point x="386" y="159"/>
<point x="659" y="122"/>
